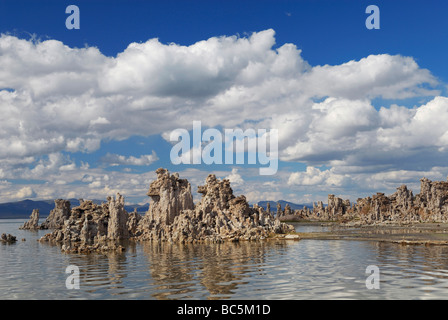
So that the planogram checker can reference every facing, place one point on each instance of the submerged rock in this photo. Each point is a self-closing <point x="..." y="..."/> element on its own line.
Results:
<point x="8" y="238"/>
<point x="97" y="247"/>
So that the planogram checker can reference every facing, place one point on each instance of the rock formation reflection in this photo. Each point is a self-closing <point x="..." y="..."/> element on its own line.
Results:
<point x="219" y="269"/>
<point x="101" y="271"/>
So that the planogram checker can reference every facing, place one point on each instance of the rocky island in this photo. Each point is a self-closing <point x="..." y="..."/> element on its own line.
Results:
<point x="430" y="205"/>
<point x="400" y="218"/>
<point x="221" y="216"/>
<point x="172" y="216"/>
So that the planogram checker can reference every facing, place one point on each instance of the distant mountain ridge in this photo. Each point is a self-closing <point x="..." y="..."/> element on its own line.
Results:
<point x="283" y="203"/>
<point x="23" y="209"/>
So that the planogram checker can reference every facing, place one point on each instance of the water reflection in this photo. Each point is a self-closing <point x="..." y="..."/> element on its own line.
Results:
<point x="214" y="270"/>
<point x="104" y="273"/>
<point x="417" y="272"/>
<point x="307" y="269"/>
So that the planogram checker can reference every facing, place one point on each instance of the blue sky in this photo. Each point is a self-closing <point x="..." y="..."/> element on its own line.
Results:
<point x="329" y="31"/>
<point x="358" y="110"/>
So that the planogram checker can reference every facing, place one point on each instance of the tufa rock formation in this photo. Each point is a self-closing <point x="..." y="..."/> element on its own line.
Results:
<point x="58" y="215"/>
<point x="89" y="227"/>
<point x="117" y="228"/>
<point x="33" y="222"/>
<point x="7" y="238"/>
<point x="170" y="195"/>
<point x="172" y="216"/>
<point x="219" y="216"/>
<point x="132" y="224"/>
<point x="431" y="205"/>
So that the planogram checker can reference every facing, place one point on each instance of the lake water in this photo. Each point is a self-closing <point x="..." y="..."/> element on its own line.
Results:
<point x="306" y="269"/>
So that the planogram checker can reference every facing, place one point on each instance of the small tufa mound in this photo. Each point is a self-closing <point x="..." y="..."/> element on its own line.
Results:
<point x="7" y="238"/>
<point x="33" y="222"/>
<point x="94" y="228"/>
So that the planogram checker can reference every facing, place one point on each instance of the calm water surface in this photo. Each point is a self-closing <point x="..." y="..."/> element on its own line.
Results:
<point x="307" y="269"/>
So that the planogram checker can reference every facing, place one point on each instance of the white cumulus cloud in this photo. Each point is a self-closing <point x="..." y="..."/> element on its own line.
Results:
<point x="65" y="100"/>
<point x="116" y="159"/>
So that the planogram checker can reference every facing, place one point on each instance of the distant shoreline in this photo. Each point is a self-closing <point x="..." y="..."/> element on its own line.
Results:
<point x="26" y="217"/>
<point x="419" y="233"/>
